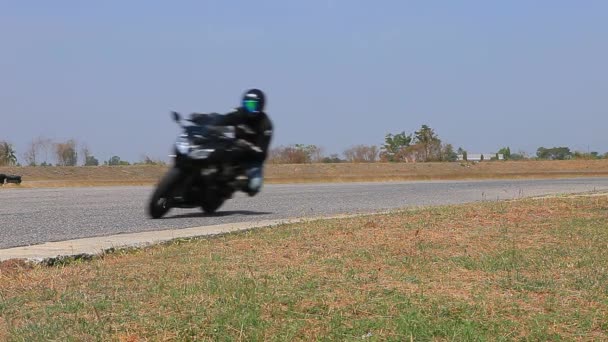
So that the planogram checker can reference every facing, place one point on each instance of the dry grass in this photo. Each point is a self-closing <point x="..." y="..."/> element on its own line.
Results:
<point x="530" y="269"/>
<point x="35" y="177"/>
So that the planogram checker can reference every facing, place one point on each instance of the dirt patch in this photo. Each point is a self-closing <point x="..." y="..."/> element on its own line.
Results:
<point x="41" y="177"/>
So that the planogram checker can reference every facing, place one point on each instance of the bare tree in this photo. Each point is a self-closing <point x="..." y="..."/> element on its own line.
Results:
<point x="45" y="148"/>
<point x="66" y="153"/>
<point x="35" y="150"/>
<point x="147" y="160"/>
<point x="294" y="154"/>
<point x="362" y="154"/>
<point x="31" y="154"/>
<point x="315" y="153"/>
<point x="85" y="153"/>
<point x="409" y="154"/>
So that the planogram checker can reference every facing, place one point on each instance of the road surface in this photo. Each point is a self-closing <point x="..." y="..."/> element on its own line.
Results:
<point x="35" y="216"/>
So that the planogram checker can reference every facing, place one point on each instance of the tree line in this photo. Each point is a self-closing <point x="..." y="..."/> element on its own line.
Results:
<point x="46" y="152"/>
<point x="423" y="145"/>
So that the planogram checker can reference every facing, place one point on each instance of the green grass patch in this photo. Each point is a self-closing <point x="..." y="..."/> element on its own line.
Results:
<point x="520" y="270"/>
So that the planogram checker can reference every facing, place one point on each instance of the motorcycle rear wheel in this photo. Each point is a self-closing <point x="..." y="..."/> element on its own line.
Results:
<point x="159" y="202"/>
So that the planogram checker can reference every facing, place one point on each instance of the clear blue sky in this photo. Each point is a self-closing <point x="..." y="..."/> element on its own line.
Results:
<point x="483" y="74"/>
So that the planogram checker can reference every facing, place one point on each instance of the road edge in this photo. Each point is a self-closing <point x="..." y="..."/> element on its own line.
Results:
<point x="52" y="252"/>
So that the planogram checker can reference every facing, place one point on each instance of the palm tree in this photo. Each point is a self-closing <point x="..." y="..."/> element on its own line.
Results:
<point x="7" y="154"/>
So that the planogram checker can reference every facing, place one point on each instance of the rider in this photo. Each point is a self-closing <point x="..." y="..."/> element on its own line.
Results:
<point x="253" y="133"/>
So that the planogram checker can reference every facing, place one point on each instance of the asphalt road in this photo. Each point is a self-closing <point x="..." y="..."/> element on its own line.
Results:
<point x="36" y="216"/>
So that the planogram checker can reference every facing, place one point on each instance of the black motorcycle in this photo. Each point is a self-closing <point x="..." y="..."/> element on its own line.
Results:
<point x="206" y="171"/>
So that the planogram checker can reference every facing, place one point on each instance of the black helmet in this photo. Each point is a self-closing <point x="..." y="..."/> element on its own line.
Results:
<point x="254" y="101"/>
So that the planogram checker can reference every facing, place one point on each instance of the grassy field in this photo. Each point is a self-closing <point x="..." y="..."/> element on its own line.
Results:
<point x="145" y="175"/>
<point x="534" y="269"/>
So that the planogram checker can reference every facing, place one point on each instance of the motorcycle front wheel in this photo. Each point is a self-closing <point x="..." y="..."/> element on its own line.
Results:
<point x="159" y="202"/>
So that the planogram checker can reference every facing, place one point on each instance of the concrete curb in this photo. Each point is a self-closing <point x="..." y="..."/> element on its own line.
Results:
<point x="90" y="247"/>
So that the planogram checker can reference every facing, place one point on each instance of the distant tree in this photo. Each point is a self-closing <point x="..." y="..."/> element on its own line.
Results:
<point x="86" y="155"/>
<point x="334" y="158"/>
<point x="314" y="153"/>
<point x="295" y="154"/>
<point x="462" y="152"/>
<point x="423" y="145"/>
<point x="430" y="143"/>
<point x="520" y="155"/>
<point x="8" y="155"/>
<point x="506" y="153"/>
<point x="448" y="154"/>
<point x="31" y="154"/>
<point x="91" y="161"/>
<point x="113" y="161"/>
<point x="147" y="160"/>
<point x="66" y="153"/>
<point x="361" y="154"/>
<point x="116" y="161"/>
<point x="287" y="155"/>
<point x="554" y="153"/>
<point x="411" y="154"/>
<point x="394" y="145"/>
<point x="587" y="156"/>
<point x="349" y="155"/>
<point x="37" y="151"/>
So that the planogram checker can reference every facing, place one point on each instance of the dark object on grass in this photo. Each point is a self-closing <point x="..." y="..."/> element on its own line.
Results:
<point x="2" y="178"/>
<point x="13" y="179"/>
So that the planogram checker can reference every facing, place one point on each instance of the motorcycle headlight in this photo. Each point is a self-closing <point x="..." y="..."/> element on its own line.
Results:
<point x="182" y="145"/>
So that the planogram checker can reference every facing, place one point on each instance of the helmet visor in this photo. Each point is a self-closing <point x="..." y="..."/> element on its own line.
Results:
<point x="252" y="106"/>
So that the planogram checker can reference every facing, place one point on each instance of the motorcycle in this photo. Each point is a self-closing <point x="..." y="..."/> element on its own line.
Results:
<point x="206" y="171"/>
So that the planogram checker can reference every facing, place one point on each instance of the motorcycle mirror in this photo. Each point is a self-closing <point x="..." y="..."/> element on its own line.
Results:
<point x="176" y="116"/>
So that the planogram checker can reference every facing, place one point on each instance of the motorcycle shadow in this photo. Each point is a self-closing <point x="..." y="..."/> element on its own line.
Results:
<point x="220" y="214"/>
